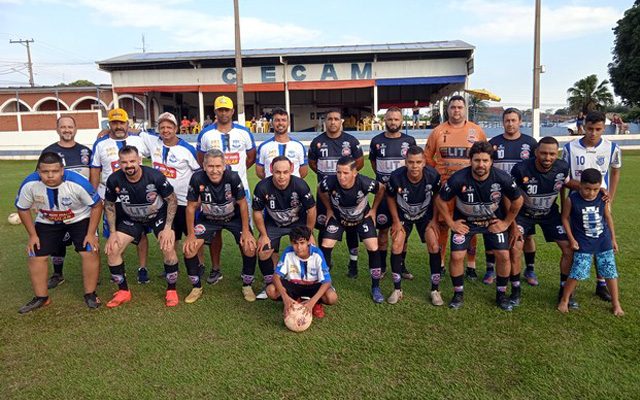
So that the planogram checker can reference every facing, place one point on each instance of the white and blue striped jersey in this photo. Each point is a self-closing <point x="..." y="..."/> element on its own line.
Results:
<point x="68" y="203"/>
<point x="177" y="163"/>
<point x="233" y="144"/>
<point x="603" y="156"/>
<point x="303" y="272"/>
<point x="105" y="155"/>
<point x="293" y="150"/>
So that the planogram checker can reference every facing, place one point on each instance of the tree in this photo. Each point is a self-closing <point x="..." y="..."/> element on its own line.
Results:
<point x="78" y="83"/>
<point x="476" y="106"/>
<point x="588" y="95"/>
<point x="626" y="56"/>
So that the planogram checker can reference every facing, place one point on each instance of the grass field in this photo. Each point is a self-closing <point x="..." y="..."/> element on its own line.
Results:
<point x="223" y="347"/>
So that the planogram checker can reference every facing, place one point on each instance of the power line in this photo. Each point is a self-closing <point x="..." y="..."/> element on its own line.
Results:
<point x="25" y="42"/>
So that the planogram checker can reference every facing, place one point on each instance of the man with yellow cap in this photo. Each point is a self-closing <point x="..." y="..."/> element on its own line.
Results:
<point x="238" y="146"/>
<point x="104" y="162"/>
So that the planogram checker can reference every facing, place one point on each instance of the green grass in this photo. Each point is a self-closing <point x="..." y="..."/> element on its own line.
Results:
<point x="223" y="347"/>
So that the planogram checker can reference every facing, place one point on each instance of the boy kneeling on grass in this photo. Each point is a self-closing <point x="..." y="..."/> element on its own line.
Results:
<point x="589" y="225"/>
<point x="302" y="272"/>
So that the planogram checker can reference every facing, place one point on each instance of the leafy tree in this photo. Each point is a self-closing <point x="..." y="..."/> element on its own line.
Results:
<point x="626" y="56"/>
<point x="476" y="107"/>
<point x="587" y="94"/>
<point x="78" y="83"/>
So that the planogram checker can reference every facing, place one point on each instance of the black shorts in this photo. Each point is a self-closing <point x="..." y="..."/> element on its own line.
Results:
<point x="180" y="222"/>
<point x="492" y="241"/>
<point x="365" y="229"/>
<point x="383" y="215"/>
<point x="551" y="226"/>
<point x="207" y="229"/>
<point x="295" y="291"/>
<point x="51" y="235"/>
<point x="421" y="228"/>
<point x="275" y="233"/>
<point x="137" y="229"/>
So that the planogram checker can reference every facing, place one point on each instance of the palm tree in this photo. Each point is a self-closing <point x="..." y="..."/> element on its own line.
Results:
<point x="476" y="106"/>
<point x="587" y="95"/>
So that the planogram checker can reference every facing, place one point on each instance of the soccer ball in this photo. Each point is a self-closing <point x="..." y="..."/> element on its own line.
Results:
<point x="14" y="219"/>
<point x="298" y="319"/>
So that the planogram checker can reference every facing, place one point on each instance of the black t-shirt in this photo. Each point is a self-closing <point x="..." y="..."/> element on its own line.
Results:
<point x="540" y="189"/>
<point x="388" y="154"/>
<point x="507" y="153"/>
<point x="326" y="152"/>
<point x="478" y="202"/>
<point x="76" y="158"/>
<point x="283" y="207"/>
<point x="217" y="202"/>
<point x="142" y="201"/>
<point x="414" y="199"/>
<point x="349" y="205"/>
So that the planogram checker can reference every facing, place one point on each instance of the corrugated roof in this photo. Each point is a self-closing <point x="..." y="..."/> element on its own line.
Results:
<point x="289" y="51"/>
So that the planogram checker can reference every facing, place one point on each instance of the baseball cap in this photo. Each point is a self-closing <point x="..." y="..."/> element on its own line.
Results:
<point x="222" y="102"/>
<point x="167" y="116"/>
<point x="118" y="114"/>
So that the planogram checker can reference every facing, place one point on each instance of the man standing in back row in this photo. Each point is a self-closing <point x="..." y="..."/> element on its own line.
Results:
<point x="447" y="150"/>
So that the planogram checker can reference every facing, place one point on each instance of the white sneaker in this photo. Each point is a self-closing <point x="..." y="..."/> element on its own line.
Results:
<point x="395" y="296"/>
<point x="262" y="295"/>
<point x="436" y="298"/>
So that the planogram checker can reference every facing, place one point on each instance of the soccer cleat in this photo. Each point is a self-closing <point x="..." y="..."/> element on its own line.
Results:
<point x="92" y="301"/>
<point x="352" y="273"/>
<point x="214" y="277"/>
<point x="436" y="298"/>
<point x="457" y="301"/>
<point x="143" y="276"/>
<point x="603" y="293"/>
<point x="263" y="294"/>
<point x="195" y="294"/>
<point x="531" y="277"/>
<point x="171" y="299"/>
<point x="395" y="296"/>
<point x="33" y="304"/>
<point x="55" y="281"/>
<point x="471" y="274"/>
<point x="515" y="297"/>
<point x="119" y="298"/>
<point x="503" y="303"/>
<point x="573" y="304"/>
<point x="318" y="311"/>
<point x="247" y="293"/>
<point x="406" y="274"/>
<point x="376" y="295"/>
<point x="489" y="277"/>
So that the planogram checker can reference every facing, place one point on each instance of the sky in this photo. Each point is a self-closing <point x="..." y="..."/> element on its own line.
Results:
<point x="69" y="37"/>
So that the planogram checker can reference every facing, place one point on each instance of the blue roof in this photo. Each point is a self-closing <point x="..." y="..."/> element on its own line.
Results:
<point x="453" y="45"/>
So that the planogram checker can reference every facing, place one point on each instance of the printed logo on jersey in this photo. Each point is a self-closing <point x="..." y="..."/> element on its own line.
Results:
<point x="57" y="216"/>
<point x="84" y="156"/>
<point x="199" y="229"/>
<point x="167" y="171"/>
<point x="227" y="191"/>
<point x="346" y="149"/>
<point x="458" y="238"/>
<point x="381" y="219"/>
<point x="322" y="219"/>
<point x="472" y="136"/>
<point x="151" y="196"/>
<point x="600" y="161"/>
<point x="453" y="152"/>
<point x="232" y="158"/>
<point x="525" y="151"/>
<point x="295" y="201"/>
<point x="66" y="201"/>
<point x="332" y="228"/>
<point x="115" y="166"/>
<point x="404" y="149"/>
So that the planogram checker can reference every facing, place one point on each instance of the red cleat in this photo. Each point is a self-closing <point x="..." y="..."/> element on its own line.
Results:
<point x="119" y="298"/>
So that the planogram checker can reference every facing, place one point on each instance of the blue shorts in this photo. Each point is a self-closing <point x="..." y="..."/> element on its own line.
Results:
<point x="605" y="265"/>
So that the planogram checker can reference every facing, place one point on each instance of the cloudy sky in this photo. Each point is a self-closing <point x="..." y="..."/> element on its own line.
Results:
<point x="577" y="35"/>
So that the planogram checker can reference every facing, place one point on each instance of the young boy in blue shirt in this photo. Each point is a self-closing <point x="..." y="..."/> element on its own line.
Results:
<point x="589" y="225"/>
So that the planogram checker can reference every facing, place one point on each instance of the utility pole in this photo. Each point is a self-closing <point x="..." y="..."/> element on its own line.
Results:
<point x="25" y="42"/>
<point x="239" y="84"/>
<point x="535" y="115"/>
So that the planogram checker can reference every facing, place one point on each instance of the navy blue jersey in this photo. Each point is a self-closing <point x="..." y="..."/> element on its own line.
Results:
<point x="349" y="205"/>
<point x="388" y="154"/>
<point x="76" y="158"/>
<point x="414" y="200"/>
<point x="218" y="202"/>
<point x="478" y="202"/>
<point x="326" y="151"/>
<point x="540" y="189"/>
<point x="141" y="201"/>
<point x="284" y="207"/>
<point x="507" y="153"/>
<point x="588" y="224"/>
